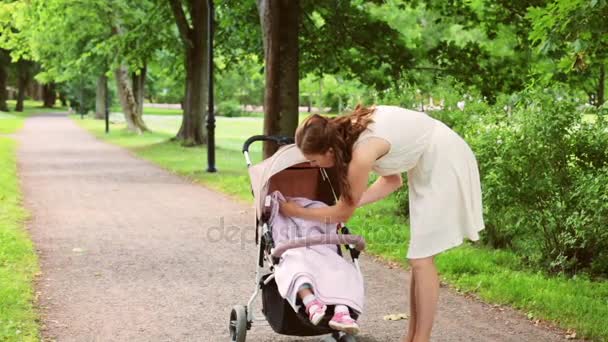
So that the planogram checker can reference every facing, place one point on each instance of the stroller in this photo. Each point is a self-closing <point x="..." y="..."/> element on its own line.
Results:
<point x="290" y="173"/>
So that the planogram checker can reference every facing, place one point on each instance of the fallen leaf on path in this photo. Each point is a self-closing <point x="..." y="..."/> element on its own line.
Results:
<point x="396" y="317"/>
<point x="571" y="335"/>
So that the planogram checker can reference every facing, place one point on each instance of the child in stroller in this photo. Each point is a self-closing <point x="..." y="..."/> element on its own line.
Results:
<point x="320" y="275"/>
<point x="304" y="281"/>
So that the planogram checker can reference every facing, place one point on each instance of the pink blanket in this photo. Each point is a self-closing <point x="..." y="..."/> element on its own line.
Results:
<point x="334" y="280"/>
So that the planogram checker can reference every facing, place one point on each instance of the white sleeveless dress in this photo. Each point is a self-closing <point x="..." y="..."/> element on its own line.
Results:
<point x="443" y="178"/>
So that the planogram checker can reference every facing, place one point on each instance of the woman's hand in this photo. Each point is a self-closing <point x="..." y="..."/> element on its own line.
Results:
<point x="289" y="209"/>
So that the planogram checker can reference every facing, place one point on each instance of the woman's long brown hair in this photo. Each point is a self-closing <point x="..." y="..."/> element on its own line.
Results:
<point x="317" y="134"/>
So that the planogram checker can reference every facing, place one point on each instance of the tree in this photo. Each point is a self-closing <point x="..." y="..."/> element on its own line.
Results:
<point x="280" y="26"/>
<point x="91" y="38"/>
<point x="24" y="70"/>
<point x="336" y="37"/>
<point x="4" y="62"/>
<point x="101" y="96"/>
<point x="6" y="28"/>
<point x="480" y="43"/>
<point x="192" y="25"/>
<point x="574" y="33"/>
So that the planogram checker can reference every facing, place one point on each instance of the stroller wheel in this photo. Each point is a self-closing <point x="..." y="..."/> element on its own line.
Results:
<point x="347" y="338"/>
<point x="238" y="324"/>
<point x="328" y="339"/>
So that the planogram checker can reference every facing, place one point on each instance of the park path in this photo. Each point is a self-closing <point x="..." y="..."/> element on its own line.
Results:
<point x="130" y="252"/>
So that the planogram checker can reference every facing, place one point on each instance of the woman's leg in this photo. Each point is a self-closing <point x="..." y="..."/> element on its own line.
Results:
<point x="411" y="330"/>
<point x="426" y="295"/>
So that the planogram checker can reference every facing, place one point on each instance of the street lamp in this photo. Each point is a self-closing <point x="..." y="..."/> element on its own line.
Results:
<point x="107" y="111"/>
<point x="210" y="113"/>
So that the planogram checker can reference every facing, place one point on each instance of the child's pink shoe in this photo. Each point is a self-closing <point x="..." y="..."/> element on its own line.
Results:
<point x="343" y="322"/>
<point x="316" y="311"/>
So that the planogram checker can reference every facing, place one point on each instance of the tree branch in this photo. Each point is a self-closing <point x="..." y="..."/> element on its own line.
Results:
<point x="182" y="22"/>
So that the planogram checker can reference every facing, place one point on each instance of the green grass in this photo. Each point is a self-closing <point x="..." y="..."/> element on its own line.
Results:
<point x="18" y="262"/>
<point x="191" y="162"/>
<point x="172" y="111"/>
<point x="9" y="123"/>
<point x="154" y="111"/>
<point x="493" y="275"/>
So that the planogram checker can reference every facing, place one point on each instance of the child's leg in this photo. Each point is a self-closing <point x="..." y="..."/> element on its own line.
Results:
<point x="342" y="321"/>
<point x="314" y="307"/>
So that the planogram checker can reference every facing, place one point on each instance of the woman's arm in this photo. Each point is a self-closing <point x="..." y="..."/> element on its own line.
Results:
<point x="358" y="175"/>
<point x="382" y="187"/>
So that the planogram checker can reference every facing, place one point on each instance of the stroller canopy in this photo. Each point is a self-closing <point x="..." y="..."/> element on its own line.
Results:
<point x="289" y="172"/>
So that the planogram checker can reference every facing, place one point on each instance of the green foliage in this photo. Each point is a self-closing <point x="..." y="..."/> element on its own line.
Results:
<point x="80" y="93"/>
<point x="241" y="80"/>
<point x="331" y="91"/>
<point x="573" y="30"/>
<point x="480" y="43"/>
<point x="230" y="109"/>
<point x="542" y="168"/>
<point x="574" y="34"/>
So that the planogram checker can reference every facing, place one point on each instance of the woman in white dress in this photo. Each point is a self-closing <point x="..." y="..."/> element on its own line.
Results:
<point x="443" y="180"/>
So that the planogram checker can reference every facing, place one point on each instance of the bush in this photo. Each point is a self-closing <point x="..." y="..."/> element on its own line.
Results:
<point x="540" y="168"/>
<point x="230" y="108"/>
<point x="81" y="94"/>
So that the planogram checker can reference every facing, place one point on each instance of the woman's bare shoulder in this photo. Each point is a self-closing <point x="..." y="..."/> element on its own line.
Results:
<point x="370" y="150"/>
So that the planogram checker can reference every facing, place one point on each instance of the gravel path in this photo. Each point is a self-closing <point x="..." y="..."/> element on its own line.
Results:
<point x="130" y="252"/>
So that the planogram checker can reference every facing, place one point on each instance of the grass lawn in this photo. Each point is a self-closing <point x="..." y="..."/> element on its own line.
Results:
<point x="173" y="111"/>
<point x="18" y="261"/>
<point x="495" y="276"/>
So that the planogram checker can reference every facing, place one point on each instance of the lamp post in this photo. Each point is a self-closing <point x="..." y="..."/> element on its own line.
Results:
<point x="107" y="111"/>
<point x="210" y="113"/>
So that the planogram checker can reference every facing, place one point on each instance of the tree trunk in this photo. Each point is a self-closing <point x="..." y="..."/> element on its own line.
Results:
<point x="23" y="77"/>
<point x="49" y="95"/>
<point x="139" y="82"/>
<point x="280" y="23"/>
<point x="289" y="68"/>
<point x="100" y="97"/>
<point x="270" y="29"/>
<point x="601" y="86"/>
<point x="128" y="102"/>
<point x="3" y="91"/>
<point x="63" y="100"/>
<point x="34" y="90"/>
<point x="192" y="131"/>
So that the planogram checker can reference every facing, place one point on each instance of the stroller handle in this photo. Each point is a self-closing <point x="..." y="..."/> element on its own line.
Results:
<point x="342" y="239"/>
<point x="280" y="140"/>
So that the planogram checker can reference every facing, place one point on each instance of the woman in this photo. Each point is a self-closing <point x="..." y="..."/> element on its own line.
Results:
<point x="444" y="188"/>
